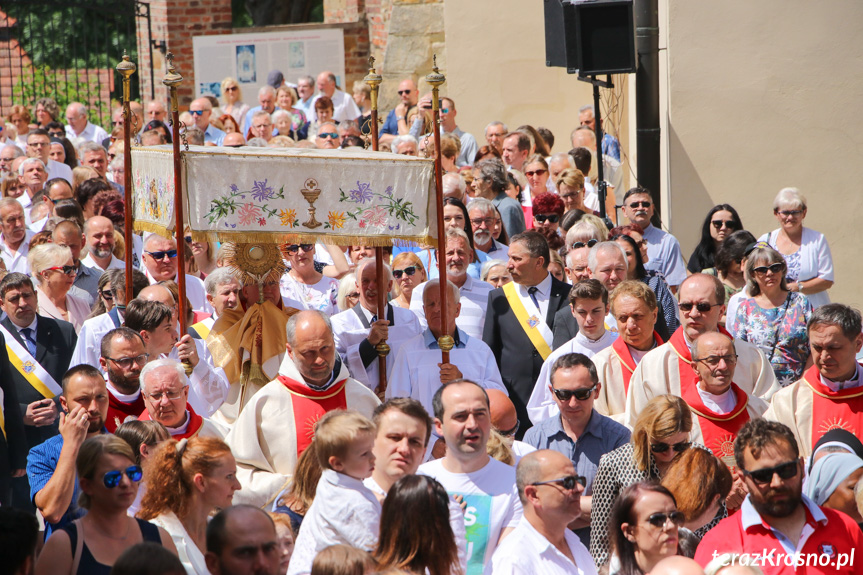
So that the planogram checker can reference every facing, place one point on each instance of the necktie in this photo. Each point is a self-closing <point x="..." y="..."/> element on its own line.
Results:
<point x="531" y="291"/>
<point x="31" y="345"/>
<point x="374" y="318"/>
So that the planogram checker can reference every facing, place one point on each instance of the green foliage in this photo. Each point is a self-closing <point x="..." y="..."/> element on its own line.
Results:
<point x="240" y="17"/>
<point x="42" y="81"/>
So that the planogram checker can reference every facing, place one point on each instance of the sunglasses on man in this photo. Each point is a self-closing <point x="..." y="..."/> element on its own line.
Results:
<point x="702" y="307"/>
<point x="764" y="476"/>
<point x="579" y="394"/>
<point x="159" y="256"/>
<point x="567" y="482"/>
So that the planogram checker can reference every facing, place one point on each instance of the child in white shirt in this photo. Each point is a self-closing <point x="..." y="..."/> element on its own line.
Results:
<point x="344" y="510"/>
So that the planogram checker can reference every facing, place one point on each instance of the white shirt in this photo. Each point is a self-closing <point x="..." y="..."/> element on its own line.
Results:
<point x="190" y="556"/>
<point x="473" y="299"/>
<point x="91" y="133"/>
<point x="116" y="263"/>
<point x="194" y="291"/>
<point x="542" y="294"/>
<point x="208" y="384"/>
<point x="722" y="404"/>
<point x="90" y="336"/>
<point x="344" y="511"/>
<point x="528" y="551"/>
<point x="344" y="107"/>
<point x="320" y="296"/>
<point x="855" y="381"/>
<point x="16" y="261"/>
<point x="492" y="505"/>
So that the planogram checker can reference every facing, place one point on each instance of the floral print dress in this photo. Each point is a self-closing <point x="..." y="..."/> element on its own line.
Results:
<point x="779" y="332"/>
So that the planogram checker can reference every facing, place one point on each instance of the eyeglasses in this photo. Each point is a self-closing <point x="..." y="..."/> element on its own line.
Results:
<point x="408" y="271"/>
<point x="579" y="394"/>
<point x="112" y="478"/>
<point x="713" y="360"/>
<point x="788" y="213"/>
<point x="444" y="110"/>
<point x="552" y="218"/>
<point x="107" y="294"/>
<point x="535" y="173"/>
<point x="702" y="307"/>
<point x="126" y="362"/>
<point x="353" y="295"/>
<point x="188" y="239"/>
<point x="662" y="447"/>
<point x="292" y="249"/>
<point x="510" y="432"/>
<point x="196" y="112"/>
<point x="635" y="205"/>
<point x="660" y="520"/>
<point x="783" y="470"/>
<point x="480" y="221"/>
<point x="328" y="136"/>
<point x="568" y="482"/>
<point x="404" y="92"/>
<point x="171" y="395"/>
<point x="589" y="244"/>
<point x="719" y="224"/>
<point x="772" y="268"/>
<point x="232" y="89"/>
<point x="158" y="256"/>
<point x="68" y="270"/>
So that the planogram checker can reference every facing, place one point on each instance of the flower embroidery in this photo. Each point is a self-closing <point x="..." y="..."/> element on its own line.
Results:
<point x="248" y="213"/>
<point x="337" y="220"/>
<point x="288" y="217"/>
<point x="262" y="221"/>
<point x="375" y="217"/>
<point x="362" y="194"/>
<point x="261" y="192"/>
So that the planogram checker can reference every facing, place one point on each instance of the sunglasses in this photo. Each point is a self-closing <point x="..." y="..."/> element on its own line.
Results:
<point x="535" y="173"/>
<point x="634" y="205"/>
<point x="68" y="270"/>
<point x="231" y="89"/>
<point x="328" y="136"/>
<point x="510" y="432"/>
<point x="702" y="307"/>
<point x="107" y="293"/>
<point x="568" y="482"/>
<point x="552" y="218"/>
<point x="408" y="271"/>
<point x="353" y="295"/>
<point x="444" y="110"/>
<point x="188" y="239"/>
<point x="158" y="256"/>
<point x="773" y="268"/>
<point x="662" y="447"/>
<point x="579" y="394"/>
<point x="52" y="134"/>
<point x="292" y="249"/>
<point x="404" y="92"/>
<point x="196" y="112"/>
<point x="589" y="244"/>
<point x="660" y="520"/>
<point x="112" y="478"/>
<point x="787" y="213"/>
<point x="719" y="224"/>
<point x="783" y="470"/>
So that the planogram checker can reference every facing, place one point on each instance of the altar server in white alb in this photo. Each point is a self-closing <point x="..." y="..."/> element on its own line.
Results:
<point x="418" y="371"/>
<point x="359" y="329"/>
<point x="277" y="424"/>
<point x="588" y="301"/>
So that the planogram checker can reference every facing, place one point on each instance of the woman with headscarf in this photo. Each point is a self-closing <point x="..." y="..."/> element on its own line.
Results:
<point x="832" y="481"/>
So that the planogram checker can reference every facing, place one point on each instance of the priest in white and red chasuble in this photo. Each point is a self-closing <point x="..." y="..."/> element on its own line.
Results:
<point x="277" y="423"/>
<point x="165" y="389"/>
<point x="668" y="368"/>
<point x="720" y="407"/>
<point x="830" y="394"/>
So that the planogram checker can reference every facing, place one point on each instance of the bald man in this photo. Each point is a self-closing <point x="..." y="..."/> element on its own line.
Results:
<point x="201" y="110"/>
<point x="549" y="491"/>
<point x="78" y="126"/>
<point x="677" y="565"/>
<point x="275" y="426"/>
<point x="344" y="107"/>
<point x="233" y="140"/>
<point x="504" y="420"/>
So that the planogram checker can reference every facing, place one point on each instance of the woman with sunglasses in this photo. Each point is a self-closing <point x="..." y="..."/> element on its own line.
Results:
<point x="305" y="285"/>
<point x="547" y="212"/>
<point x="143" y="437"/>
<point x="409" y="272"/>
<point x="810" y="265"/>
<point x="108" y="478"/>
<point x="233" y="98"/>
<point x="728" y="264"/>
<point x="186" y="482"/>
<point x="668" y="321"/>
<point x="721" y="221"/>
<point x="774" y="318"/>
<point x="53" y="272"/>
<point x="536" y="172"/>
<point x="659" y="435"/>
<point x="643" y="525"/>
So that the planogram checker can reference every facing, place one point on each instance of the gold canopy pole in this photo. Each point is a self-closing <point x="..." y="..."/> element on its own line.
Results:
<point x="126" y="68"/>
<point x="373" y="79"/>
<point x="173" y="80"/>
<point x="445" y="341"/>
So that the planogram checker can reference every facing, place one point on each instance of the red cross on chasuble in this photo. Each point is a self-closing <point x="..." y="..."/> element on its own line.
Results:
<point x="310" y="405"/>
<point x="833" y="409"/>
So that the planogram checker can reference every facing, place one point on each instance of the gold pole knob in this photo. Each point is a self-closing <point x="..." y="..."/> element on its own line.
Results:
<point x="446" y="342"/>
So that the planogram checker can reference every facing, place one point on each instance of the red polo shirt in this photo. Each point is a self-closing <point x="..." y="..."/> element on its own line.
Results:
<point x="833" y="544"/>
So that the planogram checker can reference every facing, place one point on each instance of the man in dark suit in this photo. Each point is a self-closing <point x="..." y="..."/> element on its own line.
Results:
<point x="519" y="320"/>
<point x="50" y="344"/>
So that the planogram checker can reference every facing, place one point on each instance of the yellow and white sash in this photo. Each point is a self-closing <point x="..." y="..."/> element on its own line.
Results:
<point x="530" y="321"/>
<point x="204" y="326"/>
<point x="2" y="418"/>
<point x="29" y="368"/>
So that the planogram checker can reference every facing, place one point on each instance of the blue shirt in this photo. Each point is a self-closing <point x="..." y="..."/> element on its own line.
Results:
<point x="214" y="135"/>
<point x="459" y="336"/>
<point x="41" y="463"/>
<point x="391" y="125"/>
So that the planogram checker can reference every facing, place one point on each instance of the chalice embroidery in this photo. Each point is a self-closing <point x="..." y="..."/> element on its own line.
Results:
<point x="311" y="193"/>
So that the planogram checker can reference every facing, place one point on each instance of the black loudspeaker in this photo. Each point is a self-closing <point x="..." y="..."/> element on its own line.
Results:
<point x="590" y="37"/>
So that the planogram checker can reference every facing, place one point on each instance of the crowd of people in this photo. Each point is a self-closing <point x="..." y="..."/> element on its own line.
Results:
<point x="607" y="406"/>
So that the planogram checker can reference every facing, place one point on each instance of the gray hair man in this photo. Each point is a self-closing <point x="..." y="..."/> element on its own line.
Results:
<point x="201" y="110"/>
<point x="344" y="107"/>
<point x="78" y="126"/>
<point x="482" y="214"/>
<point x="494" y="134"/>
<point x="405" y="145"/>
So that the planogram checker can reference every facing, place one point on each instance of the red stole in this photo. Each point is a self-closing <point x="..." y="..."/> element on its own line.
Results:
<point x="621" y="350"/>
<point x="833" y="409"/>
<point x="684" y="356"/>
<point x="718" y="430"/>
<point x="119" y="412"/>
<point x="310" y="405"/>
<point x="195" y="424"/>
